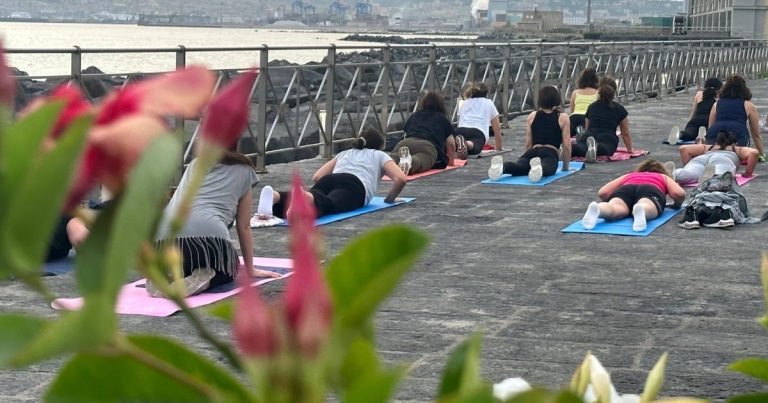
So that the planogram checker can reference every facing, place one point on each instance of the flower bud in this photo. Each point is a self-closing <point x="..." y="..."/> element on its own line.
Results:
<point x="7" y="82"/>
<point x="74" y="107"/>
<point x="227" y="114"/>
<point x="253" y="325"/>
<point x="307" y="302"/>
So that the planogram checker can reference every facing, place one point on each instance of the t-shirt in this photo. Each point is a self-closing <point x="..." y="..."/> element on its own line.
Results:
<point x="646" y="178"/>
<point x="366" y="164"/>
<point x="477" y="113"/>
<point x="434" y="127"/>
<point x="215" y="205"/>
<point x="605" y="117"/>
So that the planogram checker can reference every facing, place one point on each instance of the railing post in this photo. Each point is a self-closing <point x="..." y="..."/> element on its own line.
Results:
<point x="472" y="67"/>
<point x="261" y="110"/>
<point x="327" y="120"/>
<point x="384" y="100"/>
<point x="181" y="57"/>
<point x="76" y="66"/>
<point x="432" y="79"/>
<point x="627" y="66"/>
<point x="537" y="76"/>
<point x="565" y="79"/>
<point x="657" y="71"/>
<point x="590" y="55"/>
<point x="505" y="85"/>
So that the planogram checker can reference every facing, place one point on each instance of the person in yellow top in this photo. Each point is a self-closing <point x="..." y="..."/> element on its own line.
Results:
<point x="582" y="97"/>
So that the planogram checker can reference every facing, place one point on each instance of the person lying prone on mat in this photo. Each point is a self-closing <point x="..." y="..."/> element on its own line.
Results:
<point x="641" y="193"/>
<point x="345" y="183"/>
<point x="207" y="256"/>
<point x="429" y="142"/>
<point x="546" y="130"/>
<point x="603" y="117"/>
<point x="723" y="156"/>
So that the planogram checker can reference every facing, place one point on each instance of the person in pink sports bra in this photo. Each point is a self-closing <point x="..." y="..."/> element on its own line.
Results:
<point x="641" y="193"/>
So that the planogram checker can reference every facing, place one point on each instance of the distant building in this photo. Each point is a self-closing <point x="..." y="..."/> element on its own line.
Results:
<point x="540" y="21"/>
<point x="742" y="18"/>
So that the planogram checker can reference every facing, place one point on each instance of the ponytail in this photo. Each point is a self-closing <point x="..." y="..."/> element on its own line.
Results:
<point x="606" y="90"/>
<point x="359" y="143"/>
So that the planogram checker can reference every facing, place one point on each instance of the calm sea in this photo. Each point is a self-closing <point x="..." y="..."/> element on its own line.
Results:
<point x="104" y="36"/>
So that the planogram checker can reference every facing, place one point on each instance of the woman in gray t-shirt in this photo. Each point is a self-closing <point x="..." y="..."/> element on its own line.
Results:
<point x="349" y="180"/>
<point x="208" y="257"/>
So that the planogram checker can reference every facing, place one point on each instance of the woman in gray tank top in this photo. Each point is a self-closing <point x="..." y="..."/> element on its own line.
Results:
<point x="704" y="161"/>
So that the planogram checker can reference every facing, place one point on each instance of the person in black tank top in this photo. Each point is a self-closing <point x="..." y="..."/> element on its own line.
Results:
<point x="702" y="105"/>
<point x="547" y="129"/>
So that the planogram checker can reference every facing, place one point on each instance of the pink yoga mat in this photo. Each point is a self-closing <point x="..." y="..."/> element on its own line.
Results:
<point x="741" y="180"/>
<point x="621" y="154"/>
<point x="458" y="164"/>
<point x="134" y="300"/>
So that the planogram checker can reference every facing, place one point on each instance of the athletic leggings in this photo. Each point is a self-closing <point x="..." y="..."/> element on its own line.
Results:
<point x="333" y="193"/>
<point x="693" y="170"/>
<point x="423" y="153"/>
<point x="549" y="159"/>
<point x="607" y="142"/>
<point x="475" y="136"/>
<point x="576" y="121"/>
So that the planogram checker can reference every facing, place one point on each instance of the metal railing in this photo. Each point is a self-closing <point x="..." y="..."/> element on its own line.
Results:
<point x="307" y="109"/>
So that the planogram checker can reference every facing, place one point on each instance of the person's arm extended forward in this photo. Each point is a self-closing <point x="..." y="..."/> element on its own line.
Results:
<point x="245" y="237"/>
<point x="450" y="148"/>
<point x="625" y="136"/>
<point x="398" y="180"/>
<point x="753" y="116"/>
<point x="497" y="135"/>
<point x="565" y="126"/>
<point x="675" y="191"/>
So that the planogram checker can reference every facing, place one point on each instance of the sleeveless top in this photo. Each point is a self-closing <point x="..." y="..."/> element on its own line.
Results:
<point x="646" y="178"/>
<point x="731" y="116"/>
<point x="582" y="102"/>
<point x="701" y="113"/>
<point x="545" y="129"/>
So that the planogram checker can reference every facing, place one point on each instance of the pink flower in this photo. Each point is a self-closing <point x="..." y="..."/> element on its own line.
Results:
<point x="307" y="301"/>
<point x="130" y="119"/>
<point x="227" y="115"/>
<point x="7" y="82"/>
<point x="75" y="106"/>
<point x="253" y="325"/>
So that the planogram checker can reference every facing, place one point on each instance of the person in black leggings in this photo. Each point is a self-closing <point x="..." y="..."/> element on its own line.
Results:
<point x="547" y="129"/>
<point x="602" y="119"/>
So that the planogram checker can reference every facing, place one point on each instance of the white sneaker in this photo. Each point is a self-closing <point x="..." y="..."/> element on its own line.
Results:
<point x="497" y="168"/>
<point x="638" y="224"/>
<point x="701" y="138"/>
<point x="260" y="221"/>
<point x="709" y="172"/>
<point x="591" y="150"/>
<point x="591" y="215"/>
<point x="674" y="135"/>
<point x="534" y="175"/>
<point x="265" y="201"/>
<point x="405" y="160"/>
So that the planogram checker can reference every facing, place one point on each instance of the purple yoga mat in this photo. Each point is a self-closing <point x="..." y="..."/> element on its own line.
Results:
<point x="741" y="180"/>
<point x="134" y="300"/>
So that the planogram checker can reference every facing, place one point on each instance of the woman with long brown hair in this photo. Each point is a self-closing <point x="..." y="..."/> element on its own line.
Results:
<point x="603" y="117"/>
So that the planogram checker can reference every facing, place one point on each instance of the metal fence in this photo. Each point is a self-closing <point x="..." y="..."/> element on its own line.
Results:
<point x="309" y="108"/>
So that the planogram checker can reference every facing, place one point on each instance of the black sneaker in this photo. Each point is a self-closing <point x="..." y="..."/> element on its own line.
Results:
<point x="720" y="218"/>
<point x="689" y="220"/>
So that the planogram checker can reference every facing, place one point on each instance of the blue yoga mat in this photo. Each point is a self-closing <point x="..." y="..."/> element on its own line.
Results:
<point x="680" y="142"/>
<point x="377" y="203"/>
<point x="623" y="226"/>
<point x="545" y="180"/>
<point x="60" y="266"/>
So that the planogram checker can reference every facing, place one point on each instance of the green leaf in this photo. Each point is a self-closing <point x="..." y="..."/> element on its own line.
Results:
<point x="754" y="367"/>
<point x="224" y="310"/>
<point x="37" y="200"/>
<point x="655" y="380"/>
<point x="363" y="379"/>
<point x="119" y="376"/>
<point x="462" y="373"/>
<point x="15" y="332"/>
<point x="112" y="248"/>
<point x="760" y="397"/>
<point x="368" y="270"/>
<point x="538" y="395"/>
<point x="75" y="331"/>
<point x="21" y="144"/>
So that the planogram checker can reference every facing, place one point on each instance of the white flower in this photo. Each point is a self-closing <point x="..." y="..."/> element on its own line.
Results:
<point x="510" y="388"/>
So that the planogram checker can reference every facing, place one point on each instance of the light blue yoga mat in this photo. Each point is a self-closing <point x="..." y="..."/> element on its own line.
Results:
<point x="377" y="203"/>
<point x="545" y="180"/>
<point x="623" y="226"/>
<point x="60" y="266"/>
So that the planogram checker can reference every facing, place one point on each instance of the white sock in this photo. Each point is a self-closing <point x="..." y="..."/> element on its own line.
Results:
<point x="265" y="202"/>
<point x="639" y="223"/>
<point x="591" y="215"/>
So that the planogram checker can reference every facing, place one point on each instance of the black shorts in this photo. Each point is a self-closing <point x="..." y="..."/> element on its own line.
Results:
<point x="476" y="136"/>
<point x="630" y="194"/>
